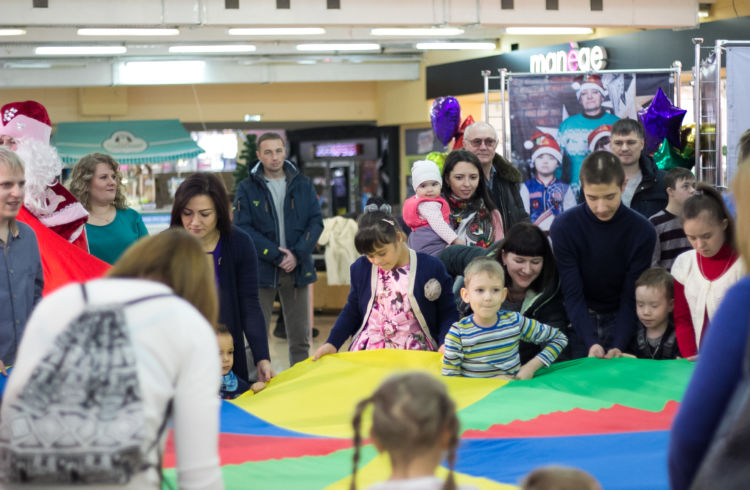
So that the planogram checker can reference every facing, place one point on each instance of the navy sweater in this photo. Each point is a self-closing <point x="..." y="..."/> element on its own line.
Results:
<point x="599" y="262"/>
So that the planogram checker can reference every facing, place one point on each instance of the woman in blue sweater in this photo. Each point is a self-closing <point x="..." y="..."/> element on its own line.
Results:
<point x="201" y="207"/>
<point x="399" y="299"/>
<point x="717" y="376"/>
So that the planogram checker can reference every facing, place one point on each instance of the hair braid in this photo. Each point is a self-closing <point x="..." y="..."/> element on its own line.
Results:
<point x="357" y="423"/>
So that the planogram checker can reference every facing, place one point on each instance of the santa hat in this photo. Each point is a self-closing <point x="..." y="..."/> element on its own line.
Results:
<point x="541" y="143"/>
<point x="424" y="171"/>
<point x="27" y="119"/>
<point x="588" y="81"/>
<point x="599" y="133"/>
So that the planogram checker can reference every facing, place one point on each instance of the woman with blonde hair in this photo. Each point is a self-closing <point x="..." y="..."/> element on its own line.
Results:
<point x="96" y="181"/>
<point x="711" y="420"/>
<point x="164" y="290"/>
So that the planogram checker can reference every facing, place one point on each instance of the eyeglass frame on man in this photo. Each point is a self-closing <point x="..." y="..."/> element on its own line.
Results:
<point x="488" y="142"/>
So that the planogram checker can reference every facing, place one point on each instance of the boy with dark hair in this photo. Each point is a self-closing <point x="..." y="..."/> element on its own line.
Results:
<point x="644" y="190"/>
<point x="601" y="248"/>
<point x="654" y="302"/>
<point x="670" y="238"/>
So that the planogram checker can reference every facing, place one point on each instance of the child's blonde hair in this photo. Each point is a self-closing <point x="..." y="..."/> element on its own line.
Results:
<point x="488" y="265"/>
<point x="411" y="412"/>
<point x="559" y="478"/>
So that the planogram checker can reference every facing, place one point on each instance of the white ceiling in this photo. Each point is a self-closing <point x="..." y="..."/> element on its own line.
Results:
<point x="276" y="59"/>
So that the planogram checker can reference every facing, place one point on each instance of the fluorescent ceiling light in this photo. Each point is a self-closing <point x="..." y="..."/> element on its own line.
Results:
<point x="702" y="13"/>
<point x="339" y="47"/>
<point x="423" y="32"/>
<point x="306" y="62"/>
<point x="449" y="46"/>
<point x="12" y="32"/>
<point x="27" y="66"/>
<point x="79" y="50"/>
<point x="127" y="32"/>
<point x="253" y="117"/>
<point x="276" y="31"/>
<point x="161" y="72"/>
<point x="546" y="31"/>
<point x="213" y="48"/>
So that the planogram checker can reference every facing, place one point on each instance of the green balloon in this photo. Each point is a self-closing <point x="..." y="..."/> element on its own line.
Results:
<point x="438" y="158"/>
<point x="667" y="157"/>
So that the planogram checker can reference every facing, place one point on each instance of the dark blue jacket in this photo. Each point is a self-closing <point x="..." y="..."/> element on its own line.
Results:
<point x="651" y="195"/>
<point x="239" y="307"/>
<point x="255" y="213"/>
<point x="438" y="314"/>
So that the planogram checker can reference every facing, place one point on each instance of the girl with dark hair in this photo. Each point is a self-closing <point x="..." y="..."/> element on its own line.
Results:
<point x="530" y="275"/>
<point x="472" y="213"/>
<point x="399" y="299"/>
<point x="703" y="275"/>
<point x="201" y="207"/>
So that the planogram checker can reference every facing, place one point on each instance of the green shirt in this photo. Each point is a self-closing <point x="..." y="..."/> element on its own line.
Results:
<point x="108" y="242"/>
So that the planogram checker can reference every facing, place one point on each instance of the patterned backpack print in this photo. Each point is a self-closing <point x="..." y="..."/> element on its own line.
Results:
<point x="80" y="418"/>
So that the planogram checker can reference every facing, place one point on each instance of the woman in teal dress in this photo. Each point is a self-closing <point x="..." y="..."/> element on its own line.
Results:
<point x="96" y="181"/>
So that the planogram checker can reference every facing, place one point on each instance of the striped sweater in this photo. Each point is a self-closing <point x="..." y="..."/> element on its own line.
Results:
<point x="484" y="352"/>
<point x="670" y="239"/>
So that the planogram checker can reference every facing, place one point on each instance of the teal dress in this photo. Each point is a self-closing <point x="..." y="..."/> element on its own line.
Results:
<point x="108" y="242"/>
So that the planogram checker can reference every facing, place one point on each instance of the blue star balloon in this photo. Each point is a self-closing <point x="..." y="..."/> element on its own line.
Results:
<point x="661" y="120"/>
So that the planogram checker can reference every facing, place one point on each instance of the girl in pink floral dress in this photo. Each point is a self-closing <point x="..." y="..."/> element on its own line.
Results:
<point x="399" y="299"/>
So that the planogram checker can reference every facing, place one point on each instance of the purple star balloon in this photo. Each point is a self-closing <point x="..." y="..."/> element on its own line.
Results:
<point x="446" y="117"/>
<point x="661" y="120"/>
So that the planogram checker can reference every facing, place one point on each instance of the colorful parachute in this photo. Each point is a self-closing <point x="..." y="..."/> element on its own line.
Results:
<point x="608" y="417"/>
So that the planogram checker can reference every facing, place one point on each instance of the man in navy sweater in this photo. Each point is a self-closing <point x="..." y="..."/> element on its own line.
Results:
<point x="601" y="248"/>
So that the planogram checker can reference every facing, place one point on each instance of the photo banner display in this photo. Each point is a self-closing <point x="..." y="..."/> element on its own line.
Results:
<point x="556" y="120"/>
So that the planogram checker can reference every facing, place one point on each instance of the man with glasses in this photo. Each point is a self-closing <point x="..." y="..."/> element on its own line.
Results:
<point x="644" y="190"/>
<point x="573" y="133"/>
<point x="503" y="179"/>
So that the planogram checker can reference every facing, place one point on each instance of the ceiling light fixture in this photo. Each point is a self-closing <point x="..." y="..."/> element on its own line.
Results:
<point x="450" y="46"/>
<point x="106" y="31"/>
<point x="339" y="47"/>
<point x="162" y="72"/>
<point x="419" y="32"/>
<point x="276" y="31"/>
<point x="79" y="50"/>
<point x="703" y="14"/>
<point x="12" y="32"/>
<point x="213" y="48"/>
<point x="547" y="31"/>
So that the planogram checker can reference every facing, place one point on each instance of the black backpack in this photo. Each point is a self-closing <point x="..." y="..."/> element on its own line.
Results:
<point x="80" y="418"/>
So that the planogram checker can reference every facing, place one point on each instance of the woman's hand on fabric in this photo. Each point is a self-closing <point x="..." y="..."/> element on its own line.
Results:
<point x="597" y="351"/>
<point x="441" y="349"/>
<point x="265" y="371"/>
<point x="613" y="352"/>
<point x="324" y="350"/>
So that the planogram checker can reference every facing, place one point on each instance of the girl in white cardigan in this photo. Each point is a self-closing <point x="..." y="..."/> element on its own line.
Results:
<point x="703" y="275"/>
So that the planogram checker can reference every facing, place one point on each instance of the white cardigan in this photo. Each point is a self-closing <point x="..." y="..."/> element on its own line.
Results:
<point x="177" y="357"/>
<point x="701" y="294"/>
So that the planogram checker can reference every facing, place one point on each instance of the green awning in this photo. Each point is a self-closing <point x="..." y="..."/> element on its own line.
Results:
<point x="128" y="142"/>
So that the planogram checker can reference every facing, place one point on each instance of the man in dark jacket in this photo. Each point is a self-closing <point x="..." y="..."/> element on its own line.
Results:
<point x="644" y="182"/>
<point x="279" y="208"/>
<point x="503" y="179"/>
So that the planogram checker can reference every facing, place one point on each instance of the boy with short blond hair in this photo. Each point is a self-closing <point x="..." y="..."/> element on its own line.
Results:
<point x="670" y="238"/>
<point x="485" y="343"/>
<point x="654" y="302"/>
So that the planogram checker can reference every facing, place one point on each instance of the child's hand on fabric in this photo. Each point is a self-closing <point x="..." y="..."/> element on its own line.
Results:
<point x="505" y="376"/>
<point x="441" y="349"/>
<point x="527" y="370"/>
<point x="613" y="352"/>
<point x="257" y="386"/>
<point x="324" y="350"/>
<point x="596" y="350"/>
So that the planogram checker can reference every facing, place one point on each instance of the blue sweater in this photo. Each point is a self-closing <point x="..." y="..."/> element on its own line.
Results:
<point x="239" y="307"/>
<point x="717" y="374"/>
<point x="599" y="262"/>
<point x="438" y="315"/>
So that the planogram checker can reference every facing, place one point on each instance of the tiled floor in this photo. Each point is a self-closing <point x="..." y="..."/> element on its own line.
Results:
<point x="279" y="348"/>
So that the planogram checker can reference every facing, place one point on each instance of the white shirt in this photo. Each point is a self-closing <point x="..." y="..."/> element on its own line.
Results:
<point x="421" y="483"/>
<point x="177" y="357"/>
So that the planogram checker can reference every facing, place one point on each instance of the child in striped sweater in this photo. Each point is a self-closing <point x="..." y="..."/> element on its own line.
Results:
<point x="485" y="344"/>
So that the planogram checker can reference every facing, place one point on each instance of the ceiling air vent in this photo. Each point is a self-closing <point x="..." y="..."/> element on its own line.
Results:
<point x="597" y="5"/>
<point x="40" y="4"/>
<point x="283" y="4"/>
<point x="231" y="4"/>
<point x="506" y="4"/>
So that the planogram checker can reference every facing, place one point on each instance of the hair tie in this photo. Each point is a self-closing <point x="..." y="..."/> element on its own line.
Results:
<point x="372" y="207"/>
<point x="389" y="222"/>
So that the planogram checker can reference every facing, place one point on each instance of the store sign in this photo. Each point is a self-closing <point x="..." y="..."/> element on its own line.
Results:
<point x="576" y="59"/>
<point x="338" y="150"/>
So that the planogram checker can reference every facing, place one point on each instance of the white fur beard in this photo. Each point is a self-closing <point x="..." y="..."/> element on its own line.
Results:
<point x="43" y="165"/>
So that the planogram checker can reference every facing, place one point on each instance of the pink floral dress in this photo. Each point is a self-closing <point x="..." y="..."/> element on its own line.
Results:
<point x="392" y="324"/>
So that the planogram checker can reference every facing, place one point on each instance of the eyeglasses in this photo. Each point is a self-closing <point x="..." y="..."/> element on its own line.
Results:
<point x="488" y="142"/>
